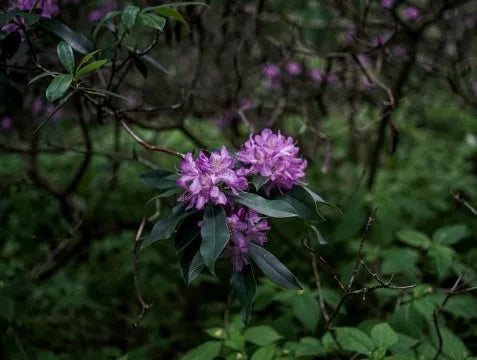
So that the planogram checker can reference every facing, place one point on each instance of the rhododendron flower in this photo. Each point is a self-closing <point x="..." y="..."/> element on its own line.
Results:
<point x="271" y="71"/>
<point x="412" y="14"/>
<point x="315" y="75"/>
<point x="273" y="156"/>
<point x="387" y="4"/>
<point x="96" y="14"/>
<point x="245" y="226"/>
<point x="49" y="8"/>
<point x="245" y="104"/>
<point x="6" y="122"/>
<point x="294" y="68"/>
<point x="205" y="178"/>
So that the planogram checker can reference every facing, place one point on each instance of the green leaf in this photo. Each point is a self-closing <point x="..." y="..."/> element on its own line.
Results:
<point x="244" y="286"/>
<point x="383" y="335"/>
<point x="151" y="20"/>
<point x="129" y="16"/>
<point x="173" y="14"/>
<point x="452" y="345"/>
<point x="89" y="68"/>
<point x="258" y="181"/>
<point x="450" y="235"/>
<point x="215" y="235"/>
<point x="87" y="58"/>
<point x="262" y="335"/>
<point x="58" y="87"/>
<point x="414" y="238"/>
<point x="165" y="227"/>
<point x="159" y="179"/>
<point x="441" y="257"/>
<point x="76" y="40"/>
<point x="206" y="351"/>
<point x="192" y="264"/>
<point x="317" y="234"/>
<point x="273" y="268"/>
<point x="66" y="56"/>
<point x="303" y="202"/>
<point x="463" y="306"/>
<point x="265" y="353"/>
<point x="102" y="21"/>
<point x="309" y="347"/>
<point x="272" y="208"/>
<point x="41" y="76"/>
<point x="306" y="309"/>
<point x="354" y="340"/>
<point x="187" y="233"/>
<point x="177" y="4"/>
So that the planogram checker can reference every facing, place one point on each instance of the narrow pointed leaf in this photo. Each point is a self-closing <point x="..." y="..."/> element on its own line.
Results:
<point x="102" y="21"/>
<point x="90" y="67"/>
<point x="77" y="41"/>
<point x="173" y="14"/>
<point x="87" y="58"/>
<point x="244" y="286"/>
<point x="273" y="268"/>
<point x="303" y="203"/>
<point x="177" y="4"/>
<point x="215" y="235"/>
<point x="272" y="208"/>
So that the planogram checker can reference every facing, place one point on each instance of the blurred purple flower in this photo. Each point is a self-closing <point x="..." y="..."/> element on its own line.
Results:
<point x="6" y="122"/>
<point x="245" y="226"/>
<point x="331" y="78"/>
<point x="49" y="8"/>
<point x="365" y="84"/>
<point x="273" y="156"/>
<point x="411" y="14"/>
<point x="204" y="178"/>
<point x="271" y="71"/>
<point x="37" y="105"/>
<point x="364" y="60"/>
<point x="96" y="14"/>
<point x="400" y="51"/>
<point x="294" y="68"/>
<point x="349" y="36"/>
<point x="245" y="104"/>
<point x="387" y="4"/>
<point x="315" y="75"/>
<point x="474" y="87"/>
<point x="381" y="39"/>
<point x="50" y="108"/>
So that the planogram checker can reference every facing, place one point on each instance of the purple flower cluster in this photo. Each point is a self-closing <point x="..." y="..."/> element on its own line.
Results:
<point x="49" y="8"/>
<point x="205" y="178"/>
<point x="274" y="157"/>
<point x="208" y="179"/>
<point x="6" y="122"/>
<point x="245" y="226"/>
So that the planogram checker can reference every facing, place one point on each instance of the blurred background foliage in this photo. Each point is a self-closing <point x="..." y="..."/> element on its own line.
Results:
<point x="424" y="233"/>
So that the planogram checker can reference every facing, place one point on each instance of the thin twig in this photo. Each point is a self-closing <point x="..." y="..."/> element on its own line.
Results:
<point x="144" y="305"/>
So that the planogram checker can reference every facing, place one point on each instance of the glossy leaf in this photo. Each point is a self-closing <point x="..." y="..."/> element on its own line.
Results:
<point x="159" y="178"/>
<point x="215" y="235"/>
<point x="41" y="76"/>
<point x="303" y="203"/>
<point x="173" y="14"/>
<point x="102" y="21"/>
<point x="76" y="40"/>
<point x="258" y="181"/>
<point x="129" y="16"/>
<point x="317" y="235"/>
<point x="58" y="87"/>
<point x="151" y="20"/>
<point x="244" y="286"/>
<point x="272" y="208"/>
<point x="165" y="227"/>
<point x="192" y="264"/>
<point x="66" y="56"/>
<point x="87" y="58"/>
<point x="187" y="233"/>
<point x="90" y="67"/>
<point x="273" y="268"/>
